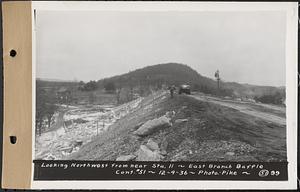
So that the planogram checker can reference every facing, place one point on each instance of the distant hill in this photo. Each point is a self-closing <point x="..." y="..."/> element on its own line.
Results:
<point x="54" y="83"/>
<point x="170" y="73"/>
<point x="176" y="74"/>
<point x="154" y="77"/>
<point x="53" y="80"/>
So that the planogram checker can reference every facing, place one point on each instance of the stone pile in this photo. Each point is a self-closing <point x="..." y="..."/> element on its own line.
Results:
<point x="147" y="152"/>
<point x="153" y="125"/>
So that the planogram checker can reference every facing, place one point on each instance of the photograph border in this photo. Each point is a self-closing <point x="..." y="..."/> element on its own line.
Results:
<point x="291" y="9"/>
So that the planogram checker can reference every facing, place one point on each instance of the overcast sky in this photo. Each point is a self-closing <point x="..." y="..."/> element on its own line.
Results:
<point x="247" y="47"/>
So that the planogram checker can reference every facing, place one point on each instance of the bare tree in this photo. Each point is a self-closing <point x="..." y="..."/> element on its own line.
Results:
<point x="51" y="108"/>
<point x="118" y="94"/>
<point x="92" y="98"/>
<point x="45" y="108"/>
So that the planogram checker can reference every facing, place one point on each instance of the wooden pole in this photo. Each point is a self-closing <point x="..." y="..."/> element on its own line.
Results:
<point x="97" y="128"/>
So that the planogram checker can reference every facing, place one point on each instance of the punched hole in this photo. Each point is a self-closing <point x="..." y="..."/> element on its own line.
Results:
<point x="13" y="53"/>
<point x="13" y="139"/>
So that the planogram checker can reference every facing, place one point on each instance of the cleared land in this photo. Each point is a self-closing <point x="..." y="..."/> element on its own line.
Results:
<point x="76" y="126"/>
<point x="270" y="113"/>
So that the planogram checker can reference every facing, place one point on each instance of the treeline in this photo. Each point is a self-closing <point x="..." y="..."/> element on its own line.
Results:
<point x="89" y="86"/>
<point x="45" y="109"/>
<point x="122" y="93"/>
<point x="277" y="98"/>
<point x="148" y="79"/>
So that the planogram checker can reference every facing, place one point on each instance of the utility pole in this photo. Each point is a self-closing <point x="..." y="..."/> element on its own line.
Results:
<point x="217" y="76"/>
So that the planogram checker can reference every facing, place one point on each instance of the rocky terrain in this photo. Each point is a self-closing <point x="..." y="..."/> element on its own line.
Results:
<point x="188" y="129"/>
<point x="77" y="126"/>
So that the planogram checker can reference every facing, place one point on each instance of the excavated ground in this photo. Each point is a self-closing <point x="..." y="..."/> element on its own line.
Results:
<point x="200" y="131"/>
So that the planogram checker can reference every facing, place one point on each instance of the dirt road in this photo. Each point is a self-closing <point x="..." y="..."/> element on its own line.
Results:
<point x="269" y="113"/>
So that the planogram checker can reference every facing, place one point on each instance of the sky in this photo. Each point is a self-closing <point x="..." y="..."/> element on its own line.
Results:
<point x="246" y="47"/>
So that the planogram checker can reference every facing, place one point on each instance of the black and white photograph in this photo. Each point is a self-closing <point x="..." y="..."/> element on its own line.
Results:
<point x="150" y="95"/>
<point x="160" y="86"/>
<point x="164" y="95"/>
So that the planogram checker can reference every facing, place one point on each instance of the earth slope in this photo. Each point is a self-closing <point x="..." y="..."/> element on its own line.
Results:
<point x="200" y="131"/>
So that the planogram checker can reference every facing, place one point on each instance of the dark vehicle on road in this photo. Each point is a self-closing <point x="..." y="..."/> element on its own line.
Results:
<point x="184" y="89"/>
